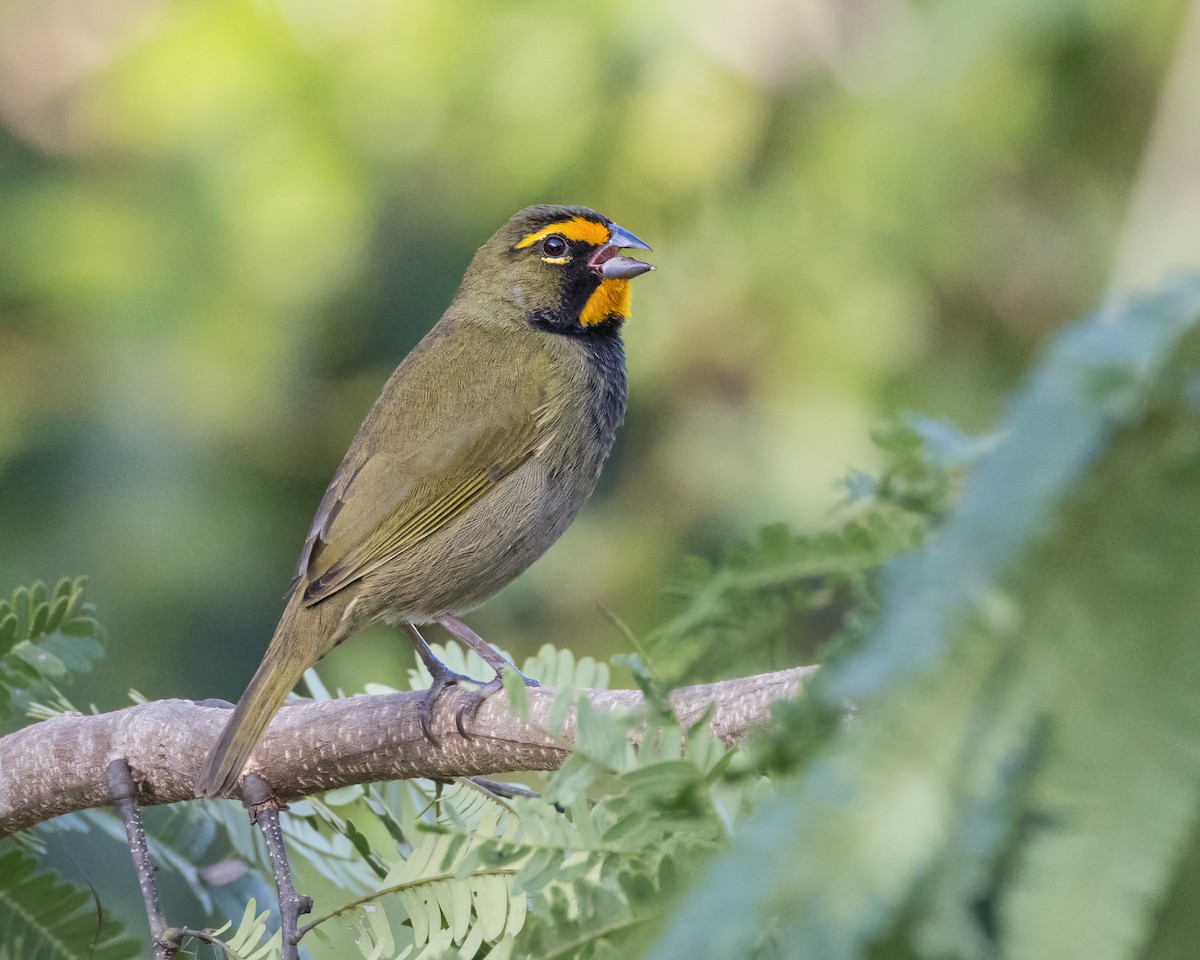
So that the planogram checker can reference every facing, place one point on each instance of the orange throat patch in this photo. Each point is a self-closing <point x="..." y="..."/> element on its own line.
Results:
<point x="611" y="298"/>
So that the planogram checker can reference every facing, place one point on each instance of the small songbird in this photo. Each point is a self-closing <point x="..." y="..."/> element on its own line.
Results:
<point x="482" y="447"/>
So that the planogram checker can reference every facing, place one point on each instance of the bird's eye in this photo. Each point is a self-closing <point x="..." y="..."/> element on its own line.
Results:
<point x="554" y="246"/>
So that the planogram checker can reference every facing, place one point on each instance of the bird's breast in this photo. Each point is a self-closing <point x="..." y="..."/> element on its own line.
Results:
<point x="599" y="407"/>
<point x="496" y="539"/>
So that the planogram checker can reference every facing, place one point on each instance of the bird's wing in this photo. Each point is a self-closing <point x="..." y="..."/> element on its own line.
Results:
<point x="433" y="445"/>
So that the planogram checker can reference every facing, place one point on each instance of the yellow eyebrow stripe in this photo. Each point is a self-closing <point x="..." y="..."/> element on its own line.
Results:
<point x="577" y="228"/>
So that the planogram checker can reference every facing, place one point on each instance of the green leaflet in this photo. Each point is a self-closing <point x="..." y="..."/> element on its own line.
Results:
<point x="251" y="941"/>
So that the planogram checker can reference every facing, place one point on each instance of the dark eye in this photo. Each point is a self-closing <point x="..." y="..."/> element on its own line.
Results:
<point x="554" y="246"/>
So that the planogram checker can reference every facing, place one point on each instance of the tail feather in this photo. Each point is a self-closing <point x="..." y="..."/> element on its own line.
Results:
<point x="259" y="704"/>
<point x="301" y="639"/>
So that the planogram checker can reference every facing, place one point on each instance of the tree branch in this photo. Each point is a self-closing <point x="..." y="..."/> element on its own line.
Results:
<point x="58" y="765"/>
<point x="124" y="791"/>
<point x="264" y="807"/>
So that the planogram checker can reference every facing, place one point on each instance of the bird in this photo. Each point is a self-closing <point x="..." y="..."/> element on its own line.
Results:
<point x="481" y="448"/>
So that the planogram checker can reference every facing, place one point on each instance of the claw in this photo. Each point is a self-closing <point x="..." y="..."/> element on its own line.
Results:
<point x="442" y="679"/>
<point x="473" y="700"/>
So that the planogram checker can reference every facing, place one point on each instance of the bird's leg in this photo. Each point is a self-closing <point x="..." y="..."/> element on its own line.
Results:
<point x="442" y="675"/>
<point x="474" y="700"/>
<point x="491" y="656"/>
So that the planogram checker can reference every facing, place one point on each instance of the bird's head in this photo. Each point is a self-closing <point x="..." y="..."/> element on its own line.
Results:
<point x="561" y="267"/>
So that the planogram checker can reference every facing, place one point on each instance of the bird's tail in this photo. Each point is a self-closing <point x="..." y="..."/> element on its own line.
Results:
<point x="301" y="639"/>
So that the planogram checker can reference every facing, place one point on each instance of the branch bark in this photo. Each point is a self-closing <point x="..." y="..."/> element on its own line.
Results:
<point x="58" y="765"/>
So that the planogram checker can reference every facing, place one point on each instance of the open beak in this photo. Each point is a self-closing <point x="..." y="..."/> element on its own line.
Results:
<point x="607" y="262"/>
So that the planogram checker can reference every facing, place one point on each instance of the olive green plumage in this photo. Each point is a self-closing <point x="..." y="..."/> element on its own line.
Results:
<point x="481" y="448"/>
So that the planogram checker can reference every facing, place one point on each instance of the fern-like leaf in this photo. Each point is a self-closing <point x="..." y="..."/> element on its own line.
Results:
<point x="46" y="636"/>
<point x="477" y="905"/>
<point x="780" y="587"/>
<point x="45" y="918"/>
<point x="447" y="893"/>
<point x="250" y="941"/>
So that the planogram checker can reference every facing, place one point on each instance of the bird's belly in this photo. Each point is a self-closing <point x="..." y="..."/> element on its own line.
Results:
<point x="466" y="562"/>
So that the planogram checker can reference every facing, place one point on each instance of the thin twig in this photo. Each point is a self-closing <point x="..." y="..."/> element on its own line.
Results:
<point x="124" y="791"/>
<point x="264" y="807"/>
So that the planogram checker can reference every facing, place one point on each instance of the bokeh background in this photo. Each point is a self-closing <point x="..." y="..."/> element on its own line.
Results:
<point x="222" y="223"/>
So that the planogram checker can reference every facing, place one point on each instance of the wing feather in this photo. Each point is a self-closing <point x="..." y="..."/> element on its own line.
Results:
<point x="428" y="451"/>
<point x="403" y="529"/>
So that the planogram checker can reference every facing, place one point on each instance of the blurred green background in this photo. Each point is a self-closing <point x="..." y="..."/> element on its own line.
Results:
<point x="222" y="223"/>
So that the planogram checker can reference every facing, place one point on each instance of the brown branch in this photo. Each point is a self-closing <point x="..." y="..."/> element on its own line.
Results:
<point x="264" y="807"/>
<point x="58" y="765"/>
<point x="124" y="791"/>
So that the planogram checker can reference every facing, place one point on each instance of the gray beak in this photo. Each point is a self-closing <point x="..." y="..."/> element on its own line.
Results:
<point x="607" y="262"/>
<point x="625" y="240"/>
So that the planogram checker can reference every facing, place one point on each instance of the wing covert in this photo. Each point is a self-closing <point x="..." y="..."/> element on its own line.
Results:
<point x="426" y="453"/>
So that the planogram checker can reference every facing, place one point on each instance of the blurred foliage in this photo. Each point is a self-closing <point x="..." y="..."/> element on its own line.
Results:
<point x="788" y="591"/>
<point x="1023" y="771"/>
<point x="224" y="222"/>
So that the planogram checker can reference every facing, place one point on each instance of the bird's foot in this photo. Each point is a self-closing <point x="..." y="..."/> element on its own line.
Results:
<point x="443" y="677"/>
<point x="472" y="700"/>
